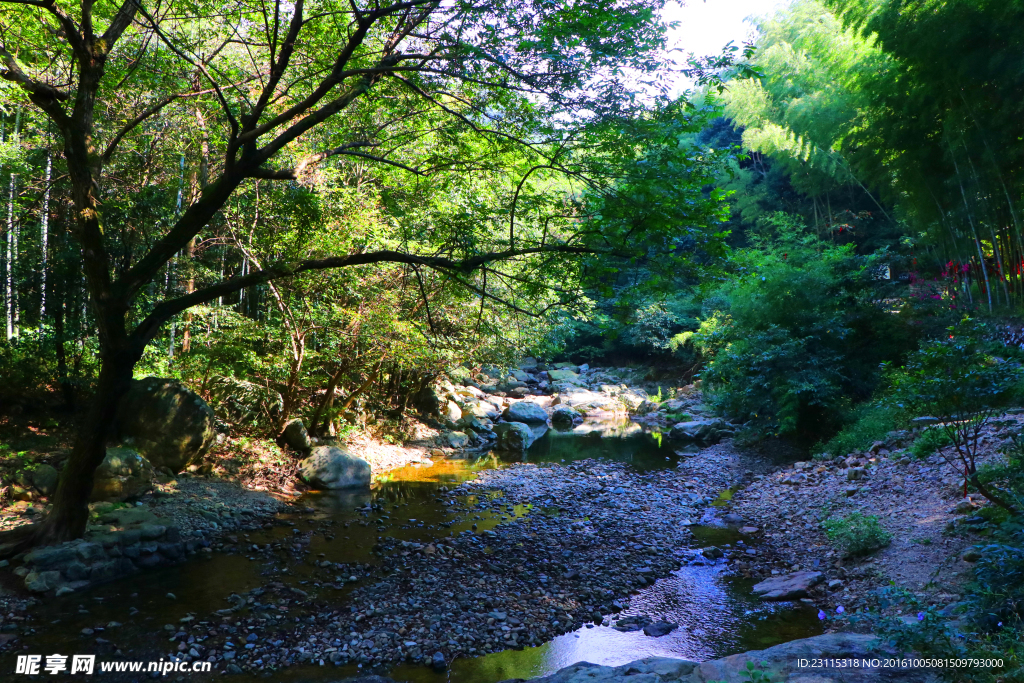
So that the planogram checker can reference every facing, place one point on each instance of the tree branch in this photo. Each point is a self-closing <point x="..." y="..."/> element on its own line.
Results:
<point x="165" y="310"/>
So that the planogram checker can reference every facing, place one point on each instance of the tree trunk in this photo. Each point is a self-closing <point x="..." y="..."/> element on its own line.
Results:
<point x="70" y="512"/>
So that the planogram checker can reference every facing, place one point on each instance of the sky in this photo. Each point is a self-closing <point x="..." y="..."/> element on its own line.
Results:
<point x="707" y="25"/>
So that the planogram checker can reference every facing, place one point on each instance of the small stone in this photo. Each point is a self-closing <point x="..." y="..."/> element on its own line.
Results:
<point x="171" y="596"/>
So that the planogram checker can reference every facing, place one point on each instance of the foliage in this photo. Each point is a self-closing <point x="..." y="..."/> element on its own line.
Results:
<point x="869" y="422"/>
<point x="796" y="334"/>
<point x="856" y="534"/>
<point x="958" y="382"/>
<point x="930" y="442"/>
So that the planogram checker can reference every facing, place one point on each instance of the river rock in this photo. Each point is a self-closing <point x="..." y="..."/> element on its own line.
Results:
<point x="565" y="416"/>
<point x="123" y="474"/>
<point x="167" y="423"/>
<point x="707" y="431"/>
<point x="458" y="439"/>
<point x="789" y="587"/>
<point x="45" y="478"/>
<point x="515" y="437"/>
<point x="40" y="582"/>
<point x="659" y="629"/>
<point x="562" y="375"/>
<point x="333" y="467"/>
<point x="296" y="436"/>
<point x="525" y="412"/>
<point x="452" y="412"/>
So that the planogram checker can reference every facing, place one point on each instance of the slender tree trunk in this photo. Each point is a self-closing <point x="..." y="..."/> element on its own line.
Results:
<point x="44" y="238"/>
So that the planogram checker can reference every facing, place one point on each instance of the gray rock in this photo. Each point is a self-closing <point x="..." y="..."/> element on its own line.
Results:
<point x="333" y="467"/>
<point x="525" y="412"/>
<point x="709" y="431"/>
<point x="50" y="555"/>
<point x="166" y="422"/>
<point x="123" y="474"/>
<point x="458" y="439"/>
<point x="925" y="421"/>
<point x="659" y="629"/>
<point x="514" y="437"/>
<point x="89" y="552"/>
<point x="789" y="587"/>
<point x="438" y="661"/>
<point x="296" y="436"/>
<point x="40" y="582"/>
<point x="565" y="416"/>
<point x="855" y="473"/>
<point x="452" y="413"/>
<point x="562" y="376"/>
<point x="45" y="478"/>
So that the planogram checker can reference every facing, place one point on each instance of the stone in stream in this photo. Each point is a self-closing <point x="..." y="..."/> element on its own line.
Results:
<point x="514" y="437"/>
<point x="789" y="587"/>
<point x="165" y="422"/>
<point x="333" y="467"/>
<point x="564" y="416"/>
<point x="525" y="412"/>
<point x="709" y="431"/>
<point x="296" y="436"/>
<point x="659" y="629"/>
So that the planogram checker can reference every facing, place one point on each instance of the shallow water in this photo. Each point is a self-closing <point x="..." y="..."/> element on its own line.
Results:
<point x="716" y="614"/>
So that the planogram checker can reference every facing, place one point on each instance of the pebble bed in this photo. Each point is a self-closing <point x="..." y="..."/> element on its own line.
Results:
<point x="575" y="543"/>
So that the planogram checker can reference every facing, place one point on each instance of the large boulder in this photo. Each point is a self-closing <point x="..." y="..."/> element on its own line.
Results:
<point x="525" y="412"/>
<point x="296" y="436"/>
<point x="165" y="422"/>
<point x="333" y="467"/>
<point x="709" y="431"/>
<point x="123" y="474"/>
<point x="514" y="437"/>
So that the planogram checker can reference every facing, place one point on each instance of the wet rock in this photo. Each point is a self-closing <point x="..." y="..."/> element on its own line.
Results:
<point x="789" y="587"/>
<point x="659" y="629"/>
<point x="123" y="474"/>
<point x="296" y="436"/>
<point x="514" y="437"/>
<point x="165" y="422"/>
<point x="333" y="467"/>
<point x="565" y="416"/>
<point x="525" y="412"/>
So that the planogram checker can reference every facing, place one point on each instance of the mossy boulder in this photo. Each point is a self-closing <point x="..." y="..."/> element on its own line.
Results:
<point x="166" y="423"/>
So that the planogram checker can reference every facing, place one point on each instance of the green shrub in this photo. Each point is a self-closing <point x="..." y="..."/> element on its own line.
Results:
<point x="956" y="380"/>
<point x="870" y="423"/>
<point x="930" y="441"/>
<point x="856" y="534"/>
<point x="796" y="336"/>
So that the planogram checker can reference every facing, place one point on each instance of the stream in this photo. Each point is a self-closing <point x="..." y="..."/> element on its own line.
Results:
<point x="716" y="614"/>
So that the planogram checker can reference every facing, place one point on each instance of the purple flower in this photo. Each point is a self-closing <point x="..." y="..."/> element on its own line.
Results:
<point x="920" y="616"/>
<point x="840" y="609"/>
<point x="821" y="614"/>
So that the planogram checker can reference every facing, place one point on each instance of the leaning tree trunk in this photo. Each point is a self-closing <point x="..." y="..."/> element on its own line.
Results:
<point x="70" y="512"/>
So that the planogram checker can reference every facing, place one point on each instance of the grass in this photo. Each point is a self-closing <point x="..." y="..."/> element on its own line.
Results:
<point x="856" y="534"/>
